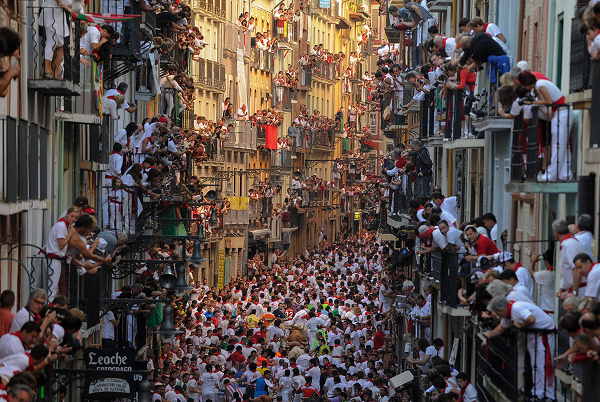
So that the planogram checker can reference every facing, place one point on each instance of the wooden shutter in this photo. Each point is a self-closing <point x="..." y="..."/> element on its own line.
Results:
<point x="586" y="193"/>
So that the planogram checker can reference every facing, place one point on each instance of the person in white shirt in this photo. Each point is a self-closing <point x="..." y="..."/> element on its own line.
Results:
<point x="21" y="341"/>
<point x="111" y="104"/>
<point x="209" y="382"/>
<point x="490" y="223"/>
<point x="467" y="390"/>
<point x="507" y="261"/>
<point x="242" y="113"/>
<point x="448" y="204"/>
<point x="546" y="279"/>
<point x="583" y="233"/>
<point x="110" y="321"/>
<point x="121" y="89"/>
<point x="540" y="344"/>
<point x="115" y="164"/>
<point x="570" y="280"/>
<point x="509" y="276"/>
<point x="586" y="267"/>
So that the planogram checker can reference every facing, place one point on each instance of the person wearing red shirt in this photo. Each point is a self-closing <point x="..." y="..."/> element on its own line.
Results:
<point x="307" y="390"/>
<point x="237" y="356"/>
<point x="482" y="245"/>
<point x="262" y="333"/>
<point x="378" y="338"/>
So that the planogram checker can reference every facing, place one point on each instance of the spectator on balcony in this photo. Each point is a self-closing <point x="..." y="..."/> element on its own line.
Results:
<point x="54" y="20"/>
<point x="168" y="86"/>
<point x="570" y="247"/>
<point x="447" y="204"/>
<point x="481" y="48"/>
<point x="115" y="164"/>
<point x="111" y="105"/>
<point x="424" y="167"/>
<point x="10" y="58"/>
<point x="549" y="94"/>
<point x="126" y="136"/>
<point x="480" y="244"/>
<point x="242" y="113"/>
<point x="468" y="393"/>
<point x="121" y="89"/>
<point x="540" y="343"/>
<point x="586" y="268"/>
<point x="582" y="231"/>
<point x="446" y="44"/>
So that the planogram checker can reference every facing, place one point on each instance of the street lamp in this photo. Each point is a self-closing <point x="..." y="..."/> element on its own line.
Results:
<point x="168" y="279"/>
<point x="197" y="257"/>
<point x="167" y="329"/>
<point x="228" y="190"/>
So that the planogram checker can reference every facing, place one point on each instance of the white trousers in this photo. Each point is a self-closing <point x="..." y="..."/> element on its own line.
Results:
<point x="559" y="167"/>
<point x="543" y="387"/>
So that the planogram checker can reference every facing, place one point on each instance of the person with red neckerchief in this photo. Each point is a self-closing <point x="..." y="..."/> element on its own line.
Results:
<point x="540" y="340"/>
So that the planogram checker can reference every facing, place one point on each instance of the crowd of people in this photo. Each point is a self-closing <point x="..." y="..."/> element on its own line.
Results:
<point x="446" y="77"/>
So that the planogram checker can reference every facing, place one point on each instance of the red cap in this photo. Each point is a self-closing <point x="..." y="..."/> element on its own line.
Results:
<point x="89" y="210"/>
<point x="162" y="120"/>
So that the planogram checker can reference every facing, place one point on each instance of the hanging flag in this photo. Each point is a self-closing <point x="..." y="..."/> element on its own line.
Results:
<point x="270" y="137"/>
<point x="98" y="92"/>
<point x="103" y="18"/>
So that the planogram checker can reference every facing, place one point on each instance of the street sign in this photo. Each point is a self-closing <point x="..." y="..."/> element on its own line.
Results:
<point x="110" y="373"/>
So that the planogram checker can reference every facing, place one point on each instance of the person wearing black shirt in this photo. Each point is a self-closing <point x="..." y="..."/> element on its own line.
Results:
<point x="479" y="48"/>
<point x="424" y="167"/>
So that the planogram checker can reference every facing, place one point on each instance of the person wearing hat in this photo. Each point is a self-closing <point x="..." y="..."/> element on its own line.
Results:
<point x="507" y="261"/>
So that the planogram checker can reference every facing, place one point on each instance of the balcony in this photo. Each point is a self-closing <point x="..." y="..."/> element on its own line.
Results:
<point x="208" y="75"/>
<point x="290" y="33"/>
<point x="305" y="79"/>
<point x="496" y="374"/>
<point x="262" y="60"/>
<point x="325" y="72"/>
<point x="213" y="9"/>
<point x="359" y="11"/>
<point x="580" y="64"/>
<point x="445" y="268"/>
<point x="237" y="38"/>
<point x="285" y="97"/>
<point x="24" y="166"/>
<point x="60" y="76"/>
<point x="319" y="140"/>
<point x="242" y="137"/>
<point x="80" y="109"/>
<point x="330" y="12"/>
<point x="527" y="159"/>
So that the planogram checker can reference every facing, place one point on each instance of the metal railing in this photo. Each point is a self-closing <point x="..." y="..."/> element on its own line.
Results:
<point x="288" y="33"/>
<point x="242" y="136"/>
<point x="445" y="269"/>
<point x="305" y="77"/>
<point x="262" y="60"/>
<point x="325" y="70"/>
<point x="498" y="363"/>
<point x="580" y="63"/>
<point x="24" y="163"/>
<point x="541" y="151"/>
<point x="55" y="51"/>
<point x="454" y="114"/>
<point x="216" y="8"/>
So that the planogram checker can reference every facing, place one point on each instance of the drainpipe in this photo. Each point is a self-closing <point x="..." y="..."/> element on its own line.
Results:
<point x="61" y="163"/>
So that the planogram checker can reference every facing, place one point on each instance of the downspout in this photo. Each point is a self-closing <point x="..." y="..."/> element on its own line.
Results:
<point x="61" y="163"/>
<point x="455" y="14"/>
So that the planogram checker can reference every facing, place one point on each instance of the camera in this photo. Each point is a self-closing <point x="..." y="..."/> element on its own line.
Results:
<point x="526" y="98"/>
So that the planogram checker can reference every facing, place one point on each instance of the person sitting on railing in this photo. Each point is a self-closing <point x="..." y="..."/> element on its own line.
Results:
<point x="540" y="339"/>
<point x="10" y="58"/>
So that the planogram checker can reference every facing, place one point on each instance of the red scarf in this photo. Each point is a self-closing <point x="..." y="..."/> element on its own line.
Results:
<point x="65" y="221"/>
<point x="485" y="27"/>
<point x="462" y="392"/>
<point x="31" y="366"/>
<point x="509" y="309"/>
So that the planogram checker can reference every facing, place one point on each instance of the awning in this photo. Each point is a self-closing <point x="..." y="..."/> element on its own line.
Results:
<point x="261" y="234"/>
<point x="343" y="23"/>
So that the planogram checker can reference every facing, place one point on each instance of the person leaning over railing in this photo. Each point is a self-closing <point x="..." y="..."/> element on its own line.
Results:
<point x="539" y="328"/>
<point x="549" y="94"/>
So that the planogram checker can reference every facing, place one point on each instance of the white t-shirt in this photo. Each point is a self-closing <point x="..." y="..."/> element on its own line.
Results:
<point x="58" y="231"/>
<point x="586" y="238"/>
<point x="569" y="249"/>
<point x="17" y="362"/>
<point x="547" y="293"/>
<point x="553" y="90"/>
<point x="439" y="240"/>
<point x="593" y="282"/>
<point x="108" y="329"/>
<point x="20" y="318"/>
<point x="470" y="394"/>
<point x="10" y="345"/>
<point x="115" y="92"/>
<point x="493" y="30"/>
<point x="521" y="311"/>
<point x="449" y="205"/>
<point x="524" y="278"/>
